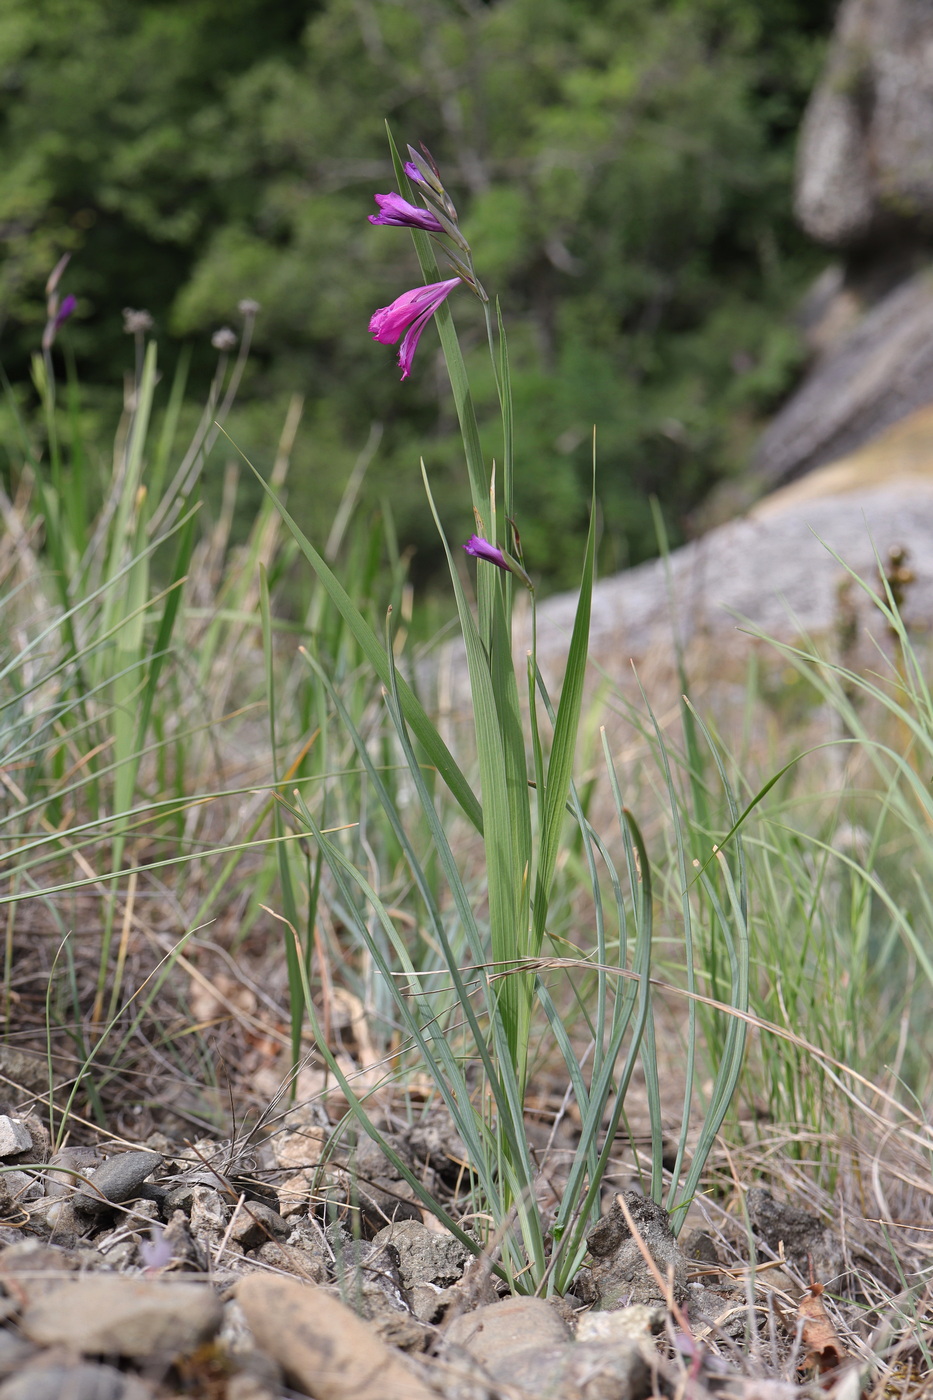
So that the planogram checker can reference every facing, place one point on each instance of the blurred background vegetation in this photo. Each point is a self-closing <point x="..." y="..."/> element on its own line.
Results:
<point x="622" y="167"/>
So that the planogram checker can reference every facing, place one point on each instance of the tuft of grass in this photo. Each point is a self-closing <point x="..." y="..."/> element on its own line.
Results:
<point x="466" y="959"/>
<point x="136" y="799"/>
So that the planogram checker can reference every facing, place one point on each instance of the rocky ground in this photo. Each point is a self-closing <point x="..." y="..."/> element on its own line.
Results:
<point x="294" y="1265"/>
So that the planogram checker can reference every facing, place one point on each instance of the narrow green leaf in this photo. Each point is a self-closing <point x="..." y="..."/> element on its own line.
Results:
<point x="563" y="747"/>
<point x="425" y="732"/>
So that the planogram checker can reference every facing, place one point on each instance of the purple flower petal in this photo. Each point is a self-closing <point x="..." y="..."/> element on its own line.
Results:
<point x="396" y="212"/>
<point x="64" y="311"/>
<point x="413" y="173"/>
<point x="409" y="313"/>
<point x="482" y="549"/>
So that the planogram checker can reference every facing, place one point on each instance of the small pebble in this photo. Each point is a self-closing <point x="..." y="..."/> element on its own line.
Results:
<point x="111" y="1315"/>
<point x="14" y="1136"/>
<point x="116" y="1180"/>
<point x="15" y="1189"/>
<point x="255" y="1224"/>
<point x="63" y="1170"/>
<point x="81" y="1382"/>
<point x="60" y="1220"/>
<point x="14" y="1352"/>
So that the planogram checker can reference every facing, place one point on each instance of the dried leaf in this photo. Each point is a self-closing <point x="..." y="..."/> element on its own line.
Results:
<point x="824" y="1349"/>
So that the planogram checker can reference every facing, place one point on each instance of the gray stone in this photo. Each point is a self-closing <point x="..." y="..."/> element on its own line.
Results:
<point x="35" y="1268"/>
<point x="424" y="1256"/>
<point x="116" y="1316"/>
<point x="308" y="1234"/>
<point x="501" y="1328"/>
<point x="873" y="377"/>
<point x="864" y="163"/>
<point x="255" y="1224"/>
<point x="592" y="1371"/>
<point x="391" y="1320"/>
<point x="16" y="1188"/>
<point x="807" y="1242"/>
<point x="15" y="1351"/>
<point x="864" y="183"/>
<point x="117" y="1180"/>
<point x="256" y="1377"/>
<point x="722" y="1310"/>
<point x="119" y="1250"/>
<point x="304" y="1265"/>
<point x="40" y="1143"/>
<point x="179" y="1198"/>
<point x="619" y="1273"/>
<point x="186" y="1252"/>
<point x="322" y="1347"/>
<point x="247" y="1385"/>
<point x="702" y="1256"/>
<point x="526" y="1344"/>
<point x="154" y="1197"/>
<point x="65" y="1227"/>
<point x="429" y="1303"/>
<point x="383" y="1195"/>
<point x="369" y="1281"/>
<point x="435" y="1141"/>
<point x="209" y="1214"/>
<point x="14" y="1136"/>
<point x="773" y="568"/>
<point x="635" y="1323"/>
<point x="66" y="1170"/>
<point x="144" y="1211"/>
<point x="304" y="1148"/>
<point x="24" y="1069"/>
<point x="81" y="1382"/>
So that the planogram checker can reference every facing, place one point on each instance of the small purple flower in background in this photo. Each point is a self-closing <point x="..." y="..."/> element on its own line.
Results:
<point x="57" y="314"/>
<point x="396" y="212"/>
<point x="482" y="549"/>
<point x="156" y="1252"/>
<point x="64" y="311"/>
<point x="410" y="312"/>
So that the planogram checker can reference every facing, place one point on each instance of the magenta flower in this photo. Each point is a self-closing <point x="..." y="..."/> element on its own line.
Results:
<point x="482" y="549"/>
<point x="413" y="173"/>
<point x="57" y="315"/>
<point x="64" y="311"/>
<point x="410" y="313"/>
<point x="396" y="212"/>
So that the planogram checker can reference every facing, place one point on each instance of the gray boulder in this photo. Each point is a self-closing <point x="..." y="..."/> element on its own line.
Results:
<point x="864" y="186"/>
<point x="864" y="157"/>
<point x="871" y="378"/>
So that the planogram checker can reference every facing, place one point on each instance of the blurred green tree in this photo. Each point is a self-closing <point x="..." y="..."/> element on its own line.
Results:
<point x="622" y="167"/>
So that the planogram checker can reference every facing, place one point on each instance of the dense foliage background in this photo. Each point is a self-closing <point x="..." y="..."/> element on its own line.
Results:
<point x="622" y="167"/>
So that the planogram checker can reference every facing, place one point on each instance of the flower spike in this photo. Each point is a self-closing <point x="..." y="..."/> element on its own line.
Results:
<point x="410" y="313"/>
<point x="396" y="212"/>
<point x="482" y="549"/>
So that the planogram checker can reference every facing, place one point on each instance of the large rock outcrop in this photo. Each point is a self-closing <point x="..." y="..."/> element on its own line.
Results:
<point x="782" y="571"/>
<point x="878" y="373"/>
<point x="776" y="570"/>
<point x="865" y="162"/>
<point x="865" y="187"/>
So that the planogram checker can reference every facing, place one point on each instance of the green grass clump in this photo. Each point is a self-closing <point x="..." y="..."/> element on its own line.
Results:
<point x="472" y="1006"/>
